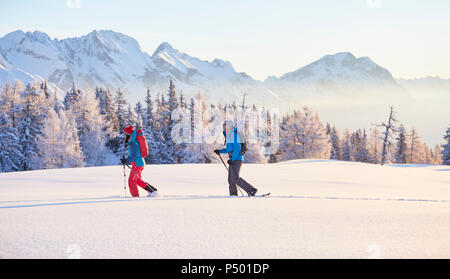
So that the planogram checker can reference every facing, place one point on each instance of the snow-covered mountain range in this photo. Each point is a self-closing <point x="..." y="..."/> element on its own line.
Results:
<point x="348" y="91"/>
<point x="111" y="59"/>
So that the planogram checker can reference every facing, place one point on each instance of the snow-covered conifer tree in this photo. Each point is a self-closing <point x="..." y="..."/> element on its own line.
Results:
<point x="149" y="130"/>
<point x="303" y="136"/>
<point x="347" y="147"/>
<point x="139" y="112"/>
<point x="147" y="115"/>
<point x="74" y="158"/>
<point x="437" y="155"/>
<point x="11" y="154"/>
<point x="173" y="152"/>
<point x="111" y="124"/>
<point x="121" y="111"/>
<point x="91" y="134"/>
<point x="55" y="143"/>
<point x="446" y="148"/>
<point x="131" y="116"/>
<point x="121" y="106"/>
<point x="31" y="120"/>
<point x="400" y="155"/>
<point x="72" y="98"/>
<point x="335" y="153"/>
<point x="414" y="154"/>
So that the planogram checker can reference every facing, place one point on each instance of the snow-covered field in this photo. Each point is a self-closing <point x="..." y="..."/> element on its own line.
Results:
<point x="318" y="209"/>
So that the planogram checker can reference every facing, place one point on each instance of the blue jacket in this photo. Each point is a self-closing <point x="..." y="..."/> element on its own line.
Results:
<point x="134" y="152"/>
<point x="233" y="145"/>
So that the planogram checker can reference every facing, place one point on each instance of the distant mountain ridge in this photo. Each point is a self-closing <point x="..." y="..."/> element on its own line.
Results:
<point x="348" y="91"/>
<point x="110" y="59"/>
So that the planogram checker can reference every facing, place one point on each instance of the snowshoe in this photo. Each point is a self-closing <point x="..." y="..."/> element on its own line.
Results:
<point x="153" y="194"/>
<point x="253" y="192"/>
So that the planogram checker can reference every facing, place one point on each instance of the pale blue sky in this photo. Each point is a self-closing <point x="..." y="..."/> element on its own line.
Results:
<point x="410" y="38"/>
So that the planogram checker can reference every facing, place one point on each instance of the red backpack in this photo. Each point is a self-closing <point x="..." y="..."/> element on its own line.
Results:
<point x="140" y="138"/>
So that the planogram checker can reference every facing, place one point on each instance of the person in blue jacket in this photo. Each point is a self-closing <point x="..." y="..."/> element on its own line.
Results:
<point x="137" y="164"/>
<point x="233" y="148"/>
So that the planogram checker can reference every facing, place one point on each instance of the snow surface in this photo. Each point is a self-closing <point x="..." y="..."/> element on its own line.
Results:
<point x="318" y="209"/>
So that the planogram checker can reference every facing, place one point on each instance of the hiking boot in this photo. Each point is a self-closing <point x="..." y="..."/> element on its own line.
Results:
<point x="150" y="188"/>
<point x="253" y="192"/>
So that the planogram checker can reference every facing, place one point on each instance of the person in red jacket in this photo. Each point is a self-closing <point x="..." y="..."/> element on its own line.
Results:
<point x="137" y="162"/>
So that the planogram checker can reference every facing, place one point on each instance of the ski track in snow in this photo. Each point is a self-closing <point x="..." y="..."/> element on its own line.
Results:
<point x="60" y="202"/>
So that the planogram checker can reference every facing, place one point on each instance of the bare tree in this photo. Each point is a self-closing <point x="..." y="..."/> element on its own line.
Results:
<point x="387" y="135"/>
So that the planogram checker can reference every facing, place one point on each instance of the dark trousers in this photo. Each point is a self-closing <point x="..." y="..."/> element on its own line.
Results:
<point x="233" y="179"/>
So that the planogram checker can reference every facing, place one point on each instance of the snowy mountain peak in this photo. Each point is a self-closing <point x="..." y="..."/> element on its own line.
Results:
<point x="222" y="64"/>
<point x="38" y="36"/>
<point x="96" y="35"/>
<point x="15" y="34"/>
<point x="340" y="56"/>
<point x="193" y="70"/>
<point x="11" y="40"/>
<point x="339" y="68"/>
<point x="13" y="37"/>
<point x="109" y="41"/>
<point x="163" y="47"/>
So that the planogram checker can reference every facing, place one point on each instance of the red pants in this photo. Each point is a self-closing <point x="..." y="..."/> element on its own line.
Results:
<point x="135" y="180"/>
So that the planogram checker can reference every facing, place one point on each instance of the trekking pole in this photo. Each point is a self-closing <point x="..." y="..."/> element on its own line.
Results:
<point x="229" y="171"/>
<point x="124" y="181"/>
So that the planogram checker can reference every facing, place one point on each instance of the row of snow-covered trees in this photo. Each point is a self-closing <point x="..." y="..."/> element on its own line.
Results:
<point x="303" y="136"/>
<point x="39" y="131"/>
<point x="360" y="146"/>
<point x="388" y="142"/>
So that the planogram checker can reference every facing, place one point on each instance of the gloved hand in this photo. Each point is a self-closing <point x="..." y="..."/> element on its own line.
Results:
<point x="230" y="162"/>
<point x="123" y="160"/>
<point x="217" y="151"/>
